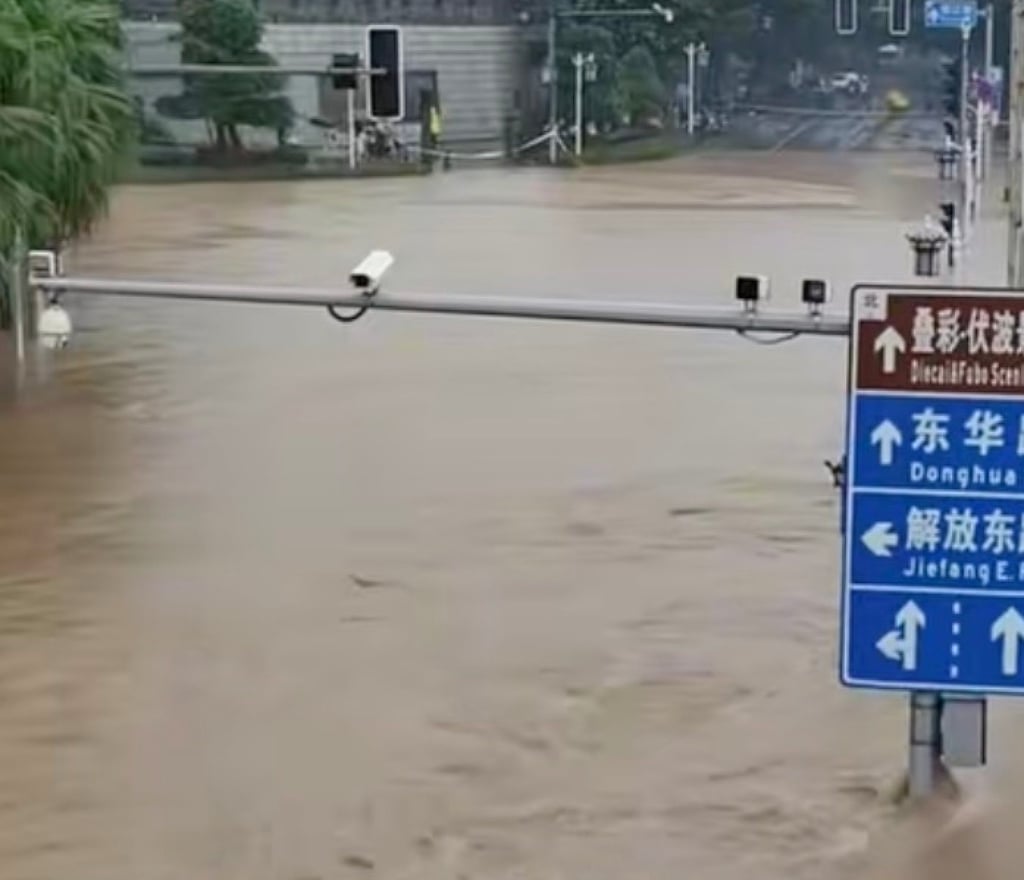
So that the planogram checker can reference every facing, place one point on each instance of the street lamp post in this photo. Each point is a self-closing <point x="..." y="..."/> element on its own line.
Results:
<point x="552" y="66"/>
<point x="585" y="65"/>
<point x="693" y="52"/>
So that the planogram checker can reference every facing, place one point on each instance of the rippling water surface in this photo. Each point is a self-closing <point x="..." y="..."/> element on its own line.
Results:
<point x="423" y="597"/>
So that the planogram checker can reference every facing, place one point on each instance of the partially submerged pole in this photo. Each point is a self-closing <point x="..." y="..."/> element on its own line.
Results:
<point x="17" y="282"/>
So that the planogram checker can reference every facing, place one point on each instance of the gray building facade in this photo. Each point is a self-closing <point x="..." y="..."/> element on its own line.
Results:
<point x="477" y="56"/>
<point x="475" y="70"/>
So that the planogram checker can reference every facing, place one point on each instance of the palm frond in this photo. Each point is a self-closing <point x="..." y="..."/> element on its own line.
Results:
<point x="66" y="120"/>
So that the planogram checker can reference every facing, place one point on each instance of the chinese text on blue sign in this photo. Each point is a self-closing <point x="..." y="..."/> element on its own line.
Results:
<point x="950" y="13"/>
<point x="933" y="563"/>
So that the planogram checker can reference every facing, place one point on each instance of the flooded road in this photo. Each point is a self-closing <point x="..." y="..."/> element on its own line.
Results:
<point x="424" y="597"/>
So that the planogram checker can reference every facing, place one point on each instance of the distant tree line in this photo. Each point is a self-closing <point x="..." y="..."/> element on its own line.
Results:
<point x="641" y="59"/>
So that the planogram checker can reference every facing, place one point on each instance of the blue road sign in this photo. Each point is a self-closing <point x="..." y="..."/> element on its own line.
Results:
<point x="950" y="13"/>
<point x="933" y="562"/>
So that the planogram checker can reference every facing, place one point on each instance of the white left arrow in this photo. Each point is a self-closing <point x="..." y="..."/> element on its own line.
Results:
<point x="886" y="437"/>
<point x="1009" y="627"/>
<point x="890" y="343"/>
<point x="880" y="539"/>
<point x="901" y="643"/>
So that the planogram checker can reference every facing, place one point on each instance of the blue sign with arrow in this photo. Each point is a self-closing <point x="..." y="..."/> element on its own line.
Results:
<point x="933" y="564"/>
<point x="950" y="14"/>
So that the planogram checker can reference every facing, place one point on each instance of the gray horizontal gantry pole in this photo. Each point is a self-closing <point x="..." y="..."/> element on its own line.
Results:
<point x="645" y="314"/>
<point x="262" y="70"/>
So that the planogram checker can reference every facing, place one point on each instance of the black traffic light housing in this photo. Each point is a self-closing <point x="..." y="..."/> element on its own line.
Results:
<point x="814" y="292"/>
<point x="948" y="223"/>
<point x="387" y="91"/>
<point x="948" y="220"/>
<point x="345" y="59"/>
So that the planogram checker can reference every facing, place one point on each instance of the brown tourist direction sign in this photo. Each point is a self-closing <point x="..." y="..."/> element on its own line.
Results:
<point x="938" y="340"/>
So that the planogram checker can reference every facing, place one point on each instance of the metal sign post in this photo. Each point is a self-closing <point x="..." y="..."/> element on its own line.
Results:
<point x="1015" y="262"/>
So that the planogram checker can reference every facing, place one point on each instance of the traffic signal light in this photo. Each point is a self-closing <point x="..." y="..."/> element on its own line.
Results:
<point x="387" y="92"/>
<point x="948" y="220"/>
<point x="899" y="18"/>
<point x="846" y="17"/>
<point x="952" y="86"/>
<point x="344" y="59"/>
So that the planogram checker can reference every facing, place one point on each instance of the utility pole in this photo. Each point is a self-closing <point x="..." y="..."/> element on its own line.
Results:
<point x="552" y="82"/>
<point x="964" y="131"/>
<point x="586" y="67"/>
<point x="693" y="51"/>
<point x="1016" y="115"/>
<point x="577" y="62"/>
<point x="989" y="126"/>
<point x="691" y="91"/>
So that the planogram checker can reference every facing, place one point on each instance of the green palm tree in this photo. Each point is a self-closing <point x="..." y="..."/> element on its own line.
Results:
<point x="66" y="119"/>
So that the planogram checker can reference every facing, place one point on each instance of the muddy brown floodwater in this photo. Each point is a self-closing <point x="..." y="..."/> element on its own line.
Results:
<point x="438" y="598"/>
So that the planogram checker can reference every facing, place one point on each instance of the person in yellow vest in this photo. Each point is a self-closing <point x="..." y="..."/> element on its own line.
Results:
<point x="435" y="124"/>
<point x="430" y="128"/>
<point x="435" y="132"/>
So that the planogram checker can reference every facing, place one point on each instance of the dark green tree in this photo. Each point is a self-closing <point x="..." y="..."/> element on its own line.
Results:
<point x="643" y="94"/>
<point x="601" y="97"/>
<point x="228" y="32"/>
<point x="708" y="20"/>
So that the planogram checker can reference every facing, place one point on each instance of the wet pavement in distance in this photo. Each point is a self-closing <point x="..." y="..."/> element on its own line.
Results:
<point x="426" y="597"/>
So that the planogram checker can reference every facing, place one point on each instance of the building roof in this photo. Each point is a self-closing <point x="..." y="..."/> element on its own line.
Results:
<point x="456" y="12"/>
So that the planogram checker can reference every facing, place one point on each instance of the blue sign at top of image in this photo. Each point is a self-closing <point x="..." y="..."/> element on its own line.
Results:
<point x="949" y="14"/>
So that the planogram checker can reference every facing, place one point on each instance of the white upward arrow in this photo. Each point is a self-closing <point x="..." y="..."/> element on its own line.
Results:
<point x="889" y="343"/>
<point x="880" y="539"/>
<point x="886" y="437"/>
<point x="1009" y="627"/>
<point x="901" y="643"/>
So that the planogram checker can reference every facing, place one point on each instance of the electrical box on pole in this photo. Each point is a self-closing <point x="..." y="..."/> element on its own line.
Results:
<point x="386" y="92"/>
<point x="350" y="60"/>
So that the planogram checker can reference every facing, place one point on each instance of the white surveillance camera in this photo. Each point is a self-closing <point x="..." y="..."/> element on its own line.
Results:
<point x="752" y="289"/>
<point x="367" y="276"/>
<point x="54" y="327"/>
